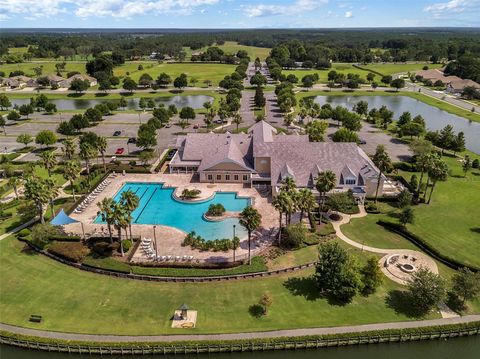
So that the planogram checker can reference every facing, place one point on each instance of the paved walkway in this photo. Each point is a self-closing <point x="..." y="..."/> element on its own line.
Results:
<point x="236" y="336"/>
<point x="425" y="260"/>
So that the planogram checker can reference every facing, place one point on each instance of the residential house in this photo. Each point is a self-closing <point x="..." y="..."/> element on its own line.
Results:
<point x="264" y="158"/>
<point x="456" y="87"/>
<point x="66" y="82"/>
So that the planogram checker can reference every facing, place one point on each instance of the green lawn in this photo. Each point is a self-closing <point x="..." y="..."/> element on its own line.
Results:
<point x="448" y="223"/>
<point x="390" y="69"/>
<point x="48" y="67"/>
<point x="200" y="71"/>
<point x="75" y="301"/>
<point x="232" y="47"/>
<point x="345" y="68"/>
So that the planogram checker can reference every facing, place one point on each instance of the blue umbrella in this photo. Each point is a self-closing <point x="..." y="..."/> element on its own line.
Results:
<point x="62" y="219"/>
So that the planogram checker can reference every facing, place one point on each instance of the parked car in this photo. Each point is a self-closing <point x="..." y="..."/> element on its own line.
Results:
<point x="195" y="126"/>
<point x="171" y="154"/>
<point x="117" y="133"/>
<point x="132" y="140"/>
<point x="119" y="151"/>
<point x="168" y="125"/>
<point x="362" y="142"/>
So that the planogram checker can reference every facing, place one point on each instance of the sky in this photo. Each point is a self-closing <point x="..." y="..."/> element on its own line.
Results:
<point x="237" y="13"/>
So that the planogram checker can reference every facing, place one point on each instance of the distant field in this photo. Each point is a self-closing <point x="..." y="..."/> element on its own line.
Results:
<point x="233" y="47"/>
<point x="48" y="67"/>
<point x="385" y="69"/>
<point x="389" y="69"/>
<point x="17" y="50"/>
<point x="202" y="72"/>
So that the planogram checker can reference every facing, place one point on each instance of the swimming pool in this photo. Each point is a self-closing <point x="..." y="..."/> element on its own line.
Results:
<point x="158" y="206"/>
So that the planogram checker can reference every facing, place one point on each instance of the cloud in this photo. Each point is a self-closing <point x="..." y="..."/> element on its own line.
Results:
<point x="348" y="14"/>
<point x="100" y="8"/>
<point x="4" y="17"/>
<point x="453" y="6"/>
<point x="272" y="10"/>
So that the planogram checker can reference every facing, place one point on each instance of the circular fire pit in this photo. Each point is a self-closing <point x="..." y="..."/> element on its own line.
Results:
<point x="408" y="268"/>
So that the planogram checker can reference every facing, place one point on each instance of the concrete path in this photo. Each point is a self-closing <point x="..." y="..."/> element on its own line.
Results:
<point x="236" y="336"/>
<point x="445" y="311"/>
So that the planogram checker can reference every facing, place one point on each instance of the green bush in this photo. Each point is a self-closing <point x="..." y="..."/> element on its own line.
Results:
<point x="293" y="236"/>
<point x="197" y="242"/>
<point x="72" y="251"/>
<point x="127" y="245"/>
<point x="342" y="202"/>
<point x="64" y="238"/>
<point x="216" y="210"/>
<point x="372" y="208"/>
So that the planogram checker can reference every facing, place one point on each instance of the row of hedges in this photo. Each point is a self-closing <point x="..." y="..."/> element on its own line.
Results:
<point x="197" y="242"/>
<point x="466" y="328"/>
<point x="71" y="251"/>
<point x="426" y="247"/>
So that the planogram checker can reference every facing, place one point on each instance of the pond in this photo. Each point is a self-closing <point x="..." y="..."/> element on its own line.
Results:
<point x="462" y="348"/>
<point x="195" y="101"/>
<point x="435" y="118"/>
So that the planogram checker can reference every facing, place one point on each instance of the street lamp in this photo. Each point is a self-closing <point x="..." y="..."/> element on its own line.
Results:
<point x="155" y="241"/>
<point x="234" y="230"/>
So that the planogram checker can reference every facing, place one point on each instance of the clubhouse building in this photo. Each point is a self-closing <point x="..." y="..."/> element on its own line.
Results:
<point x="264" y="158"/>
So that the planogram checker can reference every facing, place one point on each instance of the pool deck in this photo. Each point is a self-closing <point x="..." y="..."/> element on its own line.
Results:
<point x="169" y="239"/>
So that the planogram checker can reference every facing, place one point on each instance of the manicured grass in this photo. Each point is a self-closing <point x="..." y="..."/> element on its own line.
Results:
<point x="362" y="70"/>
<point x="232" y="47"/>
<point x="75" y="301"/>
<point x="48" y="68"/>
<point x="418" y="96"/>
<point x="448" y="223"/>
<point x="390" y="69"/>
<point x="200" y="71"/>
<point x="292" y="258"/>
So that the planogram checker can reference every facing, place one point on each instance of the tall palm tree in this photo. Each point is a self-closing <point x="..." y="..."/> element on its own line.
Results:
<point x="423" y="162"/>
<point x="383" y="162"/>
<point x="52" y="193"/>
<point x="71" y="171"/>
<point x="15" y="182"/>
<point x="325" y="182"/>
<point x="290" y="204"/>
<point x="87" y="152"/>
<point x="237" y="119"/>
<point x="36" y="190"/>
<point x="101" y="145"/>
<point x="289" y="184"/>
<point x="106" y="207"/>
<point x="438" y="171"/>
<point x="49" y="161"/>
<point x="305" y="201"/>
<point x="130" y="202"/>
<point x="250" y="219"/>
<point x="280" y="203"/>
<point x="120" y="221"/>
<point x="68" y="148"/>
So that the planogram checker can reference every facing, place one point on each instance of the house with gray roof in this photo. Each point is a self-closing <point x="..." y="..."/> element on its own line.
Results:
<point x="262" y="157"/>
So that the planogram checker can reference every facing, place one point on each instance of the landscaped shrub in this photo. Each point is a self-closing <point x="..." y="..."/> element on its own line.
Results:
<point x="71" y="251"/>
<point x="102" y="246"/>
<point x="41" y="234"/>
<point x="190" y="193"/>
<point x="197" y="242"/>
<point x="127" y="245"/>
<point x="64" y="238"/>
<point x="293" y="236"/>
<point x="371" y="207"/>
<point x="216" y="210"/>
<point x="342" y="202"/>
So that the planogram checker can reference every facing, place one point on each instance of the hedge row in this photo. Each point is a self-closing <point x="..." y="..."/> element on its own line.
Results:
<point x="426" y="247"/>
<point x="448" y="328"/>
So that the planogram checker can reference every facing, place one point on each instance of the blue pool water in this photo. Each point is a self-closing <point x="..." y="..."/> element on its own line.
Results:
<point x="157" y="206"/>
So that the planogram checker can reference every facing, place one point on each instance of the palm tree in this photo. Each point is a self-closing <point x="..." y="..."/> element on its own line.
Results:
<point x="383" y="162"/>
<point x="130" y="202"/>
<point x="36" y="190"/>
<point x="325" y="182"/>
<point x="49" y="161"/>
<point x="305" y="201"/>
<point x="107" y="214"/>
<point x="290" y="204"/>
<point x="71" y="171"/>
<point x="289" y="184"/>
<point x="237" y="119"/>
<point x="69" y="148"/>
<point x="86" y="153"/>
<point x="250" y="219"/>
<point x="101" y="145"/>
<point x="120" y="221"/>
<point x="52" y="193"/>
<point x="423" y="162"/>
<point x="280" y="202"/>
<point x="15" y="182"/>
<point x="438" y="171"/>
